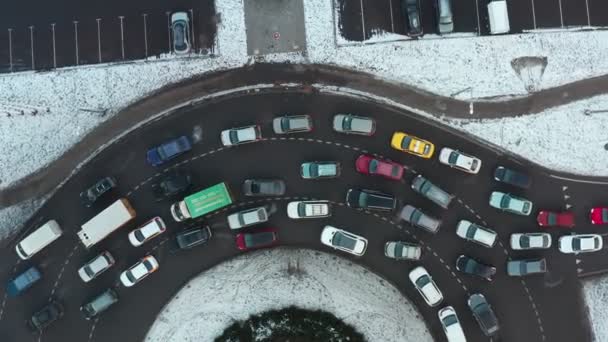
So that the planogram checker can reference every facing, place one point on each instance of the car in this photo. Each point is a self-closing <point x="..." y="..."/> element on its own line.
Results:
<point x="320" y="169"/>
<point x="445" y="23"/>
<point x="459" y="160"/>
<point x="171" y="149"/>
<point x="23" y="281"/>
<point x="99" y="304"/>
<point x="139" y="271"/>
<point x="370" y="199"/>
<point x="426" y="286"/>
<point x="370" y="165"/>
<point x="468" y="265"/>
<point x="451" y="325"/>
<point x="599" y="215"/>
<point x="147" y="231"/>
<point x="90" y="195"/>
<point x="476" y="233"/>
<point x="431" y="191"/>
<point x="483" y="313"/>
<point x="580" y="243"/>
<point x="352" y="124"/>
<point x="417" y="218"/>
<point x="411" y="10"/>
<point x="510" y="203"/>
<point x="193" y="237"/>
<point x="44" y="317"/>
<point x="173" y="184"/>
<point x="526" y="241"/>
<point x="292" y="124"/>
<point x="247" y="217"/>
<point x="412" y="145"/>
<point x="400" y="250"/>
<point x="512" y="177"/>
<point x="547" y="218"/>
<point x="308" y="209"/>
<point x="520" y="268"/>
<point x="96" y="266"/>
<point x="260" y="238"/>
<point x="264" y="187"/>
<point x="344" y="241"/>
<point x="241" y="135"/>
<point x="181" y="32"/>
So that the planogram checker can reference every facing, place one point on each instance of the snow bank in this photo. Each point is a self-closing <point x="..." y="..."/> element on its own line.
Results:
<point x="596" y="295"/>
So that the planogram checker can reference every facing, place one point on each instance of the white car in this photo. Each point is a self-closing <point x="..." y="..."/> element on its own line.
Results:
<point x="147" y="232"/>
<point x="510" y="203"/>
<point x="139" y="271"/>
<point x="476" y="233"/>
<point x="400" y="250"/>
<point x="524" y="241"/>
<point x="343" y="240"/>
<point x="180" y="28"/>
<point x="308" y="209"/>
<point x="459" y="160"/>
<point x="96" y="266"/>
<point x="248" y="217"/>
<point x="426" y="286"/>
<point x="241" y="135"/>
<point x="582" y="243"/>
<point x="451" y="325"/>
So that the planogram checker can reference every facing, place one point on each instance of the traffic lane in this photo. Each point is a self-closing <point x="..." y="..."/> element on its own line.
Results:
<point x="350" y="20"/>
<point x="575" y="13"/>
<point x="548" y="13"/>
<point x="377" y="16"/>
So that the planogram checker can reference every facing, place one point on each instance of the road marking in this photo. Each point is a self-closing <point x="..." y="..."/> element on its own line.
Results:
<point x="54" y="49"/>
<point x="32" y="46"/>
<point x="390" y="4"/>
<point x="533" y="14"/>
<point x="145" y="33"/>
<point x="169" y="30"/>
<point x="76" y="40"/>
<point x="362" y="19"/>
<point x="10" y="49"/>
<point x="192" y="39"/>
<point x="93" y="328"/>
<point x="122" y="36"/>
<point x="561" y="14"/>
<point x="66" y="262"/>
<point x="588" y="16"/>
<point x="99" y="39"/>
<point x="478" y="19"/>
<point x="577" y="180"/>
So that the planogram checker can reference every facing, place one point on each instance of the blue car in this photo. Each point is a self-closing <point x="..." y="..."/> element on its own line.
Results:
<point x="23" y="281"/>
<point x="169" y="150"/>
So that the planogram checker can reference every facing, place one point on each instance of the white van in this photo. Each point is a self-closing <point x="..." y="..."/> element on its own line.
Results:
<point x="39" y="239"/>
<point x="499" y="17"/>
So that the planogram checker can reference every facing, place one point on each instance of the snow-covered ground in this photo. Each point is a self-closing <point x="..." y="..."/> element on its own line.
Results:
<point x="596" y="296"/>
<point x="262" y="281"/>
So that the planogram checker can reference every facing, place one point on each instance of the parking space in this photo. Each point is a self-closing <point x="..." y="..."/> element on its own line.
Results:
<point x="521" y="16"/>
<point x="379" y="16"/>
<point x="548" y="13"/>
<point x="598" y="12"/>
<point x="351" y="20"/>
<point x="575" y="13"/>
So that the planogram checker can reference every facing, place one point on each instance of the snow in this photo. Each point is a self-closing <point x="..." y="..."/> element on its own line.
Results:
<point x="595" y="291"/>
<point x="261" y="281"/>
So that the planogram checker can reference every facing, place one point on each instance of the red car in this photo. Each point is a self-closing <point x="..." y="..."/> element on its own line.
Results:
<point x="260" y="238"/>
<point x="369" y="165"/>
<point x="555" y="219"/>
<point x="599" y="215"/>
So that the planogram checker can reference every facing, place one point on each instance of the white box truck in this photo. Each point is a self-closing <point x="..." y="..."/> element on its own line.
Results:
<point x="107" y="221"/>
<point x="499" y="17"/>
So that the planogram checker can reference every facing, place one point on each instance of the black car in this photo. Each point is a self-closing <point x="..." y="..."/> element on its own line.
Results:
<point x="370" y="199"/>
<point x="193" y="237"/>
<point x="45" y="316"/>
<point x="512" y="177"/>
<point x="411" y="15"/>
<point x="471" y="266"/>
<point x="483" y="313"/>
<point x="91" y="195"/>
<point x="173" y="184"/>
<point x="264" y="187"/>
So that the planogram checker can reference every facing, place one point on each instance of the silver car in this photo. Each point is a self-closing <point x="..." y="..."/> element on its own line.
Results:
<point x="525" y="241"/>
<point x="181" y="32"/>
<point x="264" y="187"/>
<point x="520" y="268"/>
<point x="292" y="124"/>
<point x="241" y="135"/>
<point x="320" y="169"/>
<point x="476" y="233"/>
<point x="351" y="124"/>
<point x="511" y="204"/>
<point x="417" y="218"/>
<point x="96" y="266"/>
<point x="248" y="217"/>
<point x="431" y="191"/>
<point x="343" y="240"/>
<point x="400" y="250"/>
<point x="483" y="313"/>
<point x="581" y="243"/>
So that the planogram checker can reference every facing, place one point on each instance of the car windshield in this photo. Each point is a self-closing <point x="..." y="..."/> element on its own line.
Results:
<point x="345" y="241"/>
<point x="363" y="199"/>
<point x="576" y="244"/>
<point x="89" y="271"/>
<point x="139" y="235"/>
<point x="405" y="144"/>
<point x="255" y="188"/>
<point x="313" y="169"/>
<point x="450" y="320"/>
<point x="399" y="249"/>
<point x="524" y="241"/>
<point x="453" y="158"/>
<point x="347" y="123"/>
<point x="179" y="35"/>
<point x="470" y="234"/>
<point x="234" y="136"/>
<point x="422" y="281"/>
<point x="373" y="166"/>
<point x="253" y="240"/>
<point x="285" y="124"/>
<point x="416" y="216"/>
<point x="605" y="215"/>
<point x="130" y="276"/>
<point x="504" y="202"/>
<point x="302" y="209"/>
<point x="551" y="219"/>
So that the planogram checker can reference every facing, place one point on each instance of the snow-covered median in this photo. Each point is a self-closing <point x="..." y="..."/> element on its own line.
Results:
<point x="596" y="296"/>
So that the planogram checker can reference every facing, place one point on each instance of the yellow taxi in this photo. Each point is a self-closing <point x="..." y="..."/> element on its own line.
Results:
<point x="410" y="144"/>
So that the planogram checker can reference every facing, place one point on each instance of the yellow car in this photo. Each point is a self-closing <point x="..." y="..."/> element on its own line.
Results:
<point x="413" y="145"/>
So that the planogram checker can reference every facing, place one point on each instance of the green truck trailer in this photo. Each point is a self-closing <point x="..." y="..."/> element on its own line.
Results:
<point x="202" y="202"/>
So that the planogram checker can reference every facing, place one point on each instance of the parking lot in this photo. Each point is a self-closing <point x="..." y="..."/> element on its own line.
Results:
<point x="360" y="19"/>
<point x="68" y="32"/>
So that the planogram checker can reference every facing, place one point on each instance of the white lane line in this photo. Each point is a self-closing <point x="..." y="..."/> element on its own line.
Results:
<point x="362" y="19"/>
<point x="10" y="48"/>
<point x="32" y="46"/>
<point x="145" y="33"/>
<point x="98" y="39"/>
<point x="561" y="14"/>
<point x="54" y="47"/>
<point x="93" y="328"/>
<point x="588" y="16"/>
<point x="390" y="4"/>
<point x="533" y="13"/>
<point x="193" y="37"/>
<point x="478" y="19"/>
<point x="76" y="41"/>
<point x="122" y="36"/>
<point x="169" y="29"/>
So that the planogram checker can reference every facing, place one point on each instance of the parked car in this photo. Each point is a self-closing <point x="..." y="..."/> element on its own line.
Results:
<point x="483" y="313"/>
<point x="525" y="241"/>
<point x="171" y="149"/>
<point x="308" y="209"/>
<point x="512" y="177"/>
<point x="147" y="232"/>
<point x="193" y="237"/>
<point x="173" y="184"/>
<point x="459" y="160"/>
<point x="44" y="317"/>
<point x="136" y="273"/>
<point x="411" y="15"/>
<point x="320" y="169"/>
<point x="181" y="32"/>
<point x="370" y="199"/>
<point x="468" y="265"/>
<point x="413" y="145"/>
<point x="451" y="325"/>
<point x="547" y="218"/>
<point x="96" y="266"/>
<point x="400" y="250"/>
<point x="260" y="238"/>
<point x="292" y="124"/>
<point x="445" y="23"/>
<point x="264" y="187"/>
<point x="90" y="195"/>
<point x="510" y="203"/>
<point x="476" y="233"/>
<point x="417" y="218"/>
<point x="99" y="304"/>
<point x="599" y="215"/>
<point x="23" y="281"/>
<point x="580" y="243"/>
<point x="431" y="191"/>
<point x="344" y="241"/>
<point x="370" y="165"/>
<point x="247" y="217"/>
<point x="352" y="124"/>
<point x="241" y="135"/>
<point x="520" y="268"/>
<point x="426" y="286"/>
